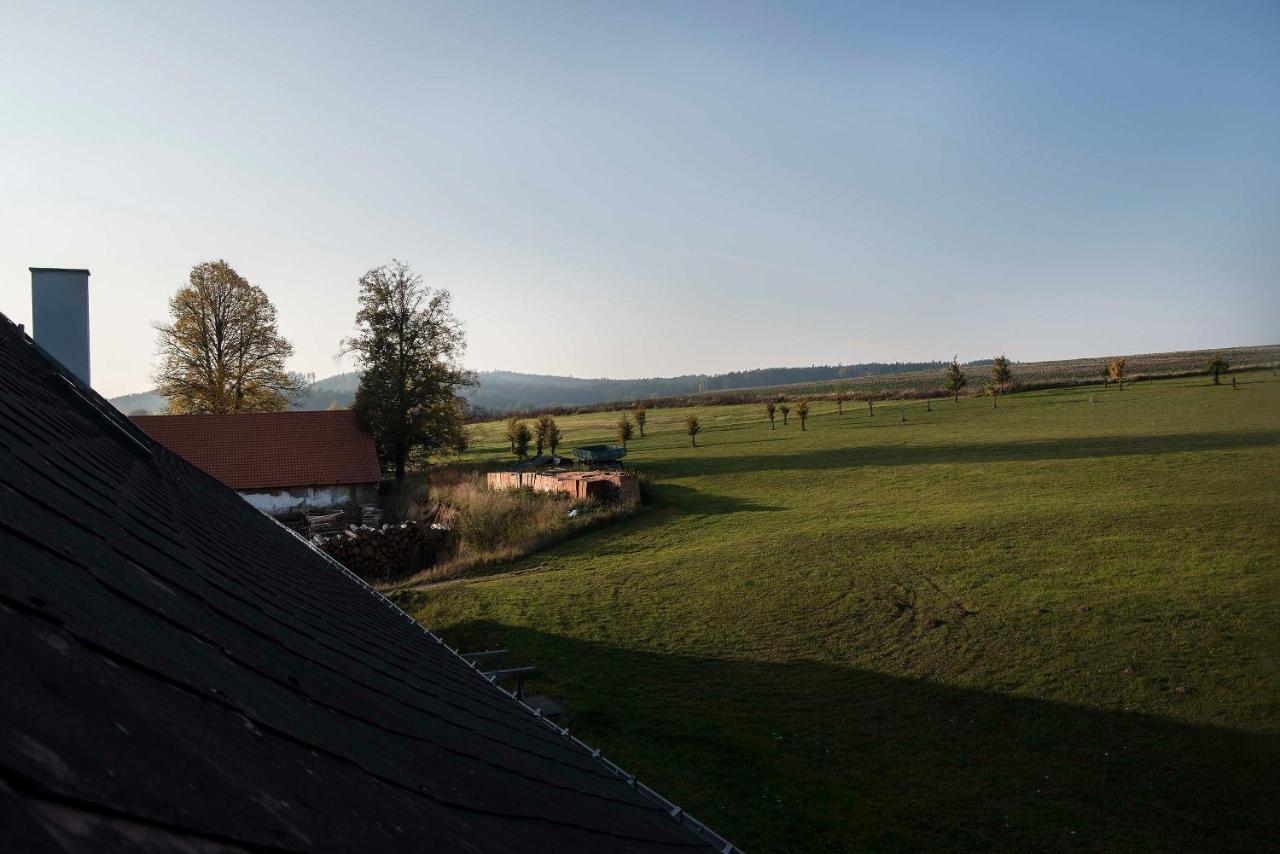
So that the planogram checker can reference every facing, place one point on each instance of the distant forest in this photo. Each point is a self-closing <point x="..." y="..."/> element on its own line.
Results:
<point x="506" y="391"/>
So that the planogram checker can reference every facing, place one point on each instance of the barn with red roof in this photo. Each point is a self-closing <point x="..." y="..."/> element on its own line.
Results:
<point x="278" y="461"/>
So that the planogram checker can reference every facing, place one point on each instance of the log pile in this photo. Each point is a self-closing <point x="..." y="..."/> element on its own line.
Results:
<point x="387" y="552"/>
<point x="324" y="523"/>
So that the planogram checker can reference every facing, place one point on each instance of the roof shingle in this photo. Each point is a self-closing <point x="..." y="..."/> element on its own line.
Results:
<point x="180" y="672"/>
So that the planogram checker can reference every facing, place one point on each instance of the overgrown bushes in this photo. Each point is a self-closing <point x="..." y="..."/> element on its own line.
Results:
<point x="497" y="526"/>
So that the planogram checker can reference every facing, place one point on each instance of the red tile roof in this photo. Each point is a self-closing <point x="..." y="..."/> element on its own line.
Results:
<point x="271" y="449"/>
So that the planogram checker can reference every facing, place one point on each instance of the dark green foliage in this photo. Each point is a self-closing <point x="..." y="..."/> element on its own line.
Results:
<point x="542" y="433"/>
<point x="407" y="344"/>
<point x="693" y="428"/>
<point x="1217" y="366"/>
<point x="523" y="436"/>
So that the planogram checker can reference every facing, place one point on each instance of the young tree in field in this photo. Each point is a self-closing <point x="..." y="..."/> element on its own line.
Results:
<point x="523" y="437"/>
<point x="955" y="379"/>
<point x="1217" y="366"/>
<point x="408" y="345"/>
<point x="840" y="399"/>
<point x="553" y="436"/>
<point x="542" y="433"/>
<point x="786" y="412"/>
<point x="625" y="430"/>
<point x="1001" y="372"/>
<point x="771" y="409"/>
<point x="640" y="418"/>
<point x="513" y="430"/>
<point x="221" y="350"/>
<point x="693" y="428"/>
<point x="1116" y="368"/>
<point x="871" y="405"/>
<point x="802" y="412"/>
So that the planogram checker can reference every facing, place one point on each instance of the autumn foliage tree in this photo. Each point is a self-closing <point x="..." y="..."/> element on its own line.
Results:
<point x="1116" y="369"/>
<point x="513" y="430"/>
<point x="771" y="410"/>
<point x="802" y="412"/>
<point x="408" y="345"/>
<point x="221" y="351"/>
<point x="625" y="430"/>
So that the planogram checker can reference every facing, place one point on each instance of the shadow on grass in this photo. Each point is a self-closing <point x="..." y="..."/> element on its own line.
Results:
<point x="969" y="452"/>
<point x="803" y="756"/>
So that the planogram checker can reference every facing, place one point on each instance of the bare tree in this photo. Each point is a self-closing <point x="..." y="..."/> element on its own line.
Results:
<point x="221" y="350"/>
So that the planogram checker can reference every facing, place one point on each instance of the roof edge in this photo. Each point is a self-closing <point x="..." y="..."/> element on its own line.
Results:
<point x="676" y="812"/>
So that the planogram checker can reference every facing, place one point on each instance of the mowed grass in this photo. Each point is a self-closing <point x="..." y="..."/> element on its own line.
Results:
<point x="1053" y="625"/>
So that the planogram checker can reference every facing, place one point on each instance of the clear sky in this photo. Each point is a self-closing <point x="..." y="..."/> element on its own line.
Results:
<point x="651" y="188"/>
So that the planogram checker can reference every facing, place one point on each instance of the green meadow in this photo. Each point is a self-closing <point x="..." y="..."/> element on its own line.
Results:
<point x="1050" y="625"/>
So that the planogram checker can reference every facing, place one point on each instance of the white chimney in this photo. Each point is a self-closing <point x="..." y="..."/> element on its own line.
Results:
<point x="60" y="316"/>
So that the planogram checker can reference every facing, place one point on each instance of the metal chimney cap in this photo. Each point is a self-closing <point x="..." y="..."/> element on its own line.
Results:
<point x="58" y="270"/>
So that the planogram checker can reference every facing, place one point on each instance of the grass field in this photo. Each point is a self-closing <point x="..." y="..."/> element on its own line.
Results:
<point x="1051" y="625"/>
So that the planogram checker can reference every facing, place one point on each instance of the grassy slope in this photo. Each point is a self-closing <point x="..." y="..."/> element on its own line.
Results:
<point x="762" y="647"/>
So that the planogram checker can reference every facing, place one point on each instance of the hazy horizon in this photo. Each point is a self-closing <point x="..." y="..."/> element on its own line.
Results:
<point x="659" y="190"/>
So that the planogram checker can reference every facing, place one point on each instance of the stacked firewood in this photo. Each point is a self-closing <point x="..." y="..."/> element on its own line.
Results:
<point x="387" y="552"/>
<point x="325" y="523"/>
<point x="370" y="515"/>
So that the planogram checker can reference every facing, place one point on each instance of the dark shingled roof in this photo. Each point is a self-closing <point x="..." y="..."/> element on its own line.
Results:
<point x="179" y="672"/>
<point x="265" y="450"/>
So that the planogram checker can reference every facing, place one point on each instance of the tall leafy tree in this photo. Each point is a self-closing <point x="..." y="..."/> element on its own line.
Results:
<point x="553" y="435"/>
<point x="221" y="351"/>
<point x="542" y="432"/>
<point x="408" y="345"/>
<point x="1001" y="372"/>
<point x="523" y="437"/>
<point x="954" y="379"/>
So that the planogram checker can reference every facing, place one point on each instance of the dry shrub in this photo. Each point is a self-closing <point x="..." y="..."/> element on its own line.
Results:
<point x="495" y="526"/>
